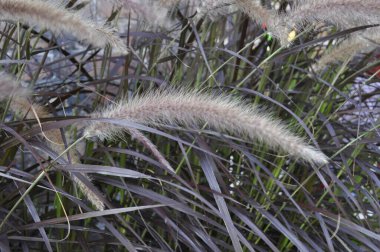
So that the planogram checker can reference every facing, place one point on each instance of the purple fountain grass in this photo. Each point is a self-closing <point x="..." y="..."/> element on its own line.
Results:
<point x="52" y="15"/>
<point x="150" y="14"/>
<point x="344" y="13"/>
<point x="140" y="137"/>
<point x="255" y="10"/>
<point x="341" y="13"/>
<point x="220" y="112"/>
<point x="273" y="21"/>
<point x="363" y="43"/>
<point x="23" y="108"/>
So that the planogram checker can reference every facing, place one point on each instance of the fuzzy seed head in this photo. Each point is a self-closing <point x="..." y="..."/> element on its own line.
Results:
<point x="53" y="16"/>
<point x="222" y="113"/>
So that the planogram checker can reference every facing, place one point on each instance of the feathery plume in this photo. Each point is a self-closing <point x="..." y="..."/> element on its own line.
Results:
<point x="341" y="13"/>
<point x="21" y="106"/>
<point x="53" y="16"/>
<point x="149" y="13"/>
<point x="151" y="147"/>
<point x="262" y="15"/>
<point x="255" y="10"/>
<point x="360" y="43"/>
<point x="194" y="108"/>
<point x="214" y="9"/>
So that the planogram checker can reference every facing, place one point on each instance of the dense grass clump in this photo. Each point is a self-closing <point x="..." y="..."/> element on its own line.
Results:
<point x="189" y="125"/>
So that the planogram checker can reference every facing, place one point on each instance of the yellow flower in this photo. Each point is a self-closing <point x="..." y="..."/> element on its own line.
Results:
<point x="292" y="36"/>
